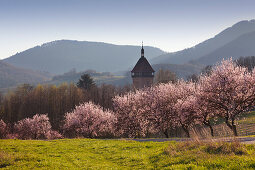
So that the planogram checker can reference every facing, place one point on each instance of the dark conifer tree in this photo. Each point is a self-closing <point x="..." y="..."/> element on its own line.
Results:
<point x="86" y="82"/>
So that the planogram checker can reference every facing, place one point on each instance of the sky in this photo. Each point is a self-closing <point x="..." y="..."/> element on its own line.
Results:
<point x="170" y="25"/>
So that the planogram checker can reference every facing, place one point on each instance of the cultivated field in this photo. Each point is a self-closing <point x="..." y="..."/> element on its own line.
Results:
<point x="123" y="154"/>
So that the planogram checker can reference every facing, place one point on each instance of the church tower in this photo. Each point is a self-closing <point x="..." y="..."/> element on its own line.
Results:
<point x="142" y="74"/>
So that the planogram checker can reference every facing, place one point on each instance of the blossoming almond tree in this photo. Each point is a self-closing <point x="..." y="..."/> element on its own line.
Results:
<point x="138" y="113"/>
<point x="229" y="90"/>
<point x="185" y="106"/>
<point x="150" y="110"/>
<point x="89" y="120"/>
<point x="165" y="97"/>
<point x="130" y="110"/>
<point x="38" y="127"/>
<point x="186" y="113"/>
<point x="205" y="112"/>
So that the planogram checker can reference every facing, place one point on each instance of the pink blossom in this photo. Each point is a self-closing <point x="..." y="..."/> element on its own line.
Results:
<point x="37" y="127"/>
<point x="89" y="120"/>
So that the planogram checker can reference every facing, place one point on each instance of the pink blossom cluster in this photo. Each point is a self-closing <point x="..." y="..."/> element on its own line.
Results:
<point x="89" y="120"/>
<point x="154" y="109"/>
<point x="37" y="127"/>
<point x="130" y="111"/>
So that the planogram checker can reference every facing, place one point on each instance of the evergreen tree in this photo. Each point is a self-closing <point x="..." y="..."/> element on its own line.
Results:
<point x="86" y="82"/>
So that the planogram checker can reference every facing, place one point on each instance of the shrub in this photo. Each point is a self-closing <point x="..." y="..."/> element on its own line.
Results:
<point x="226" y="148"/>
<point x="3" y="129"/>
<point x="37" y="127"/>
<point x="89" y="120"/>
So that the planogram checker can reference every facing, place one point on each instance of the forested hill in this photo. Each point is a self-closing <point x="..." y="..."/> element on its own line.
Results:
<point x="61" y="56"/>
<point x="11" y="76"/>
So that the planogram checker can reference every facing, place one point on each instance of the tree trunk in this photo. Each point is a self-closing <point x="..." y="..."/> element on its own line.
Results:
<point x="210" y="126"/>
<point x="232" y="126"/>
<point x="166" y="133"/>
<point x="211" y="129"/>
<point x="186" y="131"/>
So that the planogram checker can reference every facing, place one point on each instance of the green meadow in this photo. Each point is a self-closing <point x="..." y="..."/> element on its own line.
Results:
<point x="129" y="154"/>
<point x="124" y="154"/>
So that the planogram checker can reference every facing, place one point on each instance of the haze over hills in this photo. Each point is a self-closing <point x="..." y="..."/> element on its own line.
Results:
<point x="182" y="71"/>
<point x="11" y="76"/>
<point x="209" y="46"/>
<point x="99" y="78"/>
<point x="61" y="56"/>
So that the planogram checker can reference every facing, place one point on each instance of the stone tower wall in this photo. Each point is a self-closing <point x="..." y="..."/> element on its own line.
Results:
<point x="141" y="82"/>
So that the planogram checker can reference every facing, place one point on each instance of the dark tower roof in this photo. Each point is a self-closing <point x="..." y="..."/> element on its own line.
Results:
<point x="142" y="65"/>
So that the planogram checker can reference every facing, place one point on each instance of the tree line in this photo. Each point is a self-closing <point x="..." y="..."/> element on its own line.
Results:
<point x="26" y="100"/>
<point x="226" y="92"/>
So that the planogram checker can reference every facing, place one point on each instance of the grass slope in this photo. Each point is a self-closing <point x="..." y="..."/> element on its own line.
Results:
<point x="123" y="154"/>
<point x="245" y="126"/>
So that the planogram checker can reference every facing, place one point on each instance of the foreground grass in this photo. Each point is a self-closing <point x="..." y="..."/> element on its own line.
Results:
<point x="122" y="154"/>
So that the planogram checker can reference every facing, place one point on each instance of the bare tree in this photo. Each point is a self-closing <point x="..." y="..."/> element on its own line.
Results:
<point x="165" y="76"/>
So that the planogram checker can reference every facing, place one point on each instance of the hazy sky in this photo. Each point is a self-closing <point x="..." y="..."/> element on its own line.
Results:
<point x="168" y="24"/>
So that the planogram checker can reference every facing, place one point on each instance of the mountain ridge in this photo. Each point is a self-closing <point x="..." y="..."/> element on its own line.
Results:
<point x="240" y="47"/>
<point x="207" y="46"/>
<point x="81" y="55"/>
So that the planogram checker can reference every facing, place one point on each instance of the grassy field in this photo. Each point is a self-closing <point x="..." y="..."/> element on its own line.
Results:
<point x="127" y="154"/>
<point x="123" y="154"/>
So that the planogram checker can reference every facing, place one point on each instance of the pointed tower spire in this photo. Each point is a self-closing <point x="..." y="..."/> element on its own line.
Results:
<point x="142" y="51"/>
<point x="142" y="74"/>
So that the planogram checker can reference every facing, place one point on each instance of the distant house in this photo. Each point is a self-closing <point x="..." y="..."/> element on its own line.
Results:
<point x="142" y="74"/>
